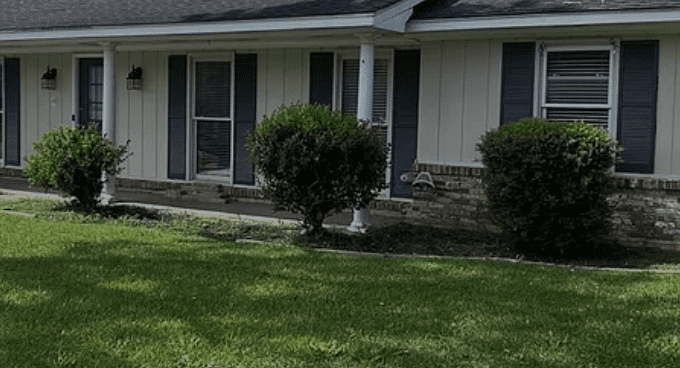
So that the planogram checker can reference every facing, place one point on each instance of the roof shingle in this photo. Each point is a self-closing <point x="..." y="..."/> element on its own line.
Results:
<point x="437" y="9"/>
<point x="23" y="15"/>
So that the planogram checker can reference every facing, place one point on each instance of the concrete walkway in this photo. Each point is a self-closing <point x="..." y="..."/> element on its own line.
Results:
<point x="239" y="209"/>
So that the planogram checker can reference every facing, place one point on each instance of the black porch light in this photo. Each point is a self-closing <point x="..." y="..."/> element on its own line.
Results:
<point x="134" y="79"/>
<point x="49" y="79"/>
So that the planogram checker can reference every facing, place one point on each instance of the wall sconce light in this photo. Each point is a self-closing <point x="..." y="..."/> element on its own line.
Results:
<point x="49" y="79"/>
<point x="134" y="79"/>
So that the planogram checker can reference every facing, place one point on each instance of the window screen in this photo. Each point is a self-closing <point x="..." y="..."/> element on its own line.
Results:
<point x="577" y="86"/>
<point x="213" y="89"/>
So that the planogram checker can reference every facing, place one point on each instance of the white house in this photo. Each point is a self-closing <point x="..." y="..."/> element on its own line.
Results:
<point x="436" y="74"/>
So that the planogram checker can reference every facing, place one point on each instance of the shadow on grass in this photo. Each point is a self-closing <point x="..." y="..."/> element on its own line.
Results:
<point x="130" y="303"/>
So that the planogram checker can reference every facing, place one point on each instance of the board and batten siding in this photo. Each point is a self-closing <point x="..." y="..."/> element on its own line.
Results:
<point x="460" y="98"/>
<point x="667" y="149"/>
<point x="142" y="115"/>
<point x="42" y="110"/>
<point x="281" y="79"/>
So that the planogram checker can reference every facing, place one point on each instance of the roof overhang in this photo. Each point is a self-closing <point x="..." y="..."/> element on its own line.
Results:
<point x="543" y="21"/>
<point x="392" y="18"/>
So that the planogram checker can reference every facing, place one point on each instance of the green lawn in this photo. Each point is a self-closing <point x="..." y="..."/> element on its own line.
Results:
<point x="112" y="295"/>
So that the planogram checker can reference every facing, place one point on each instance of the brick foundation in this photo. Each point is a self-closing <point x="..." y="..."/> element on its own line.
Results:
<point x="646" y="207"/>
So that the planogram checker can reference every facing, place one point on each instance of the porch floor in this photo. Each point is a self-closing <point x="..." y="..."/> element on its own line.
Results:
<point x="241" y="208"/>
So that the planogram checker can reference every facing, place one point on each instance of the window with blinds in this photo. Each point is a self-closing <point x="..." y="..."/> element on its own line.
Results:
<point x="212" y="117"/>
<point x="577" y="86"/>
<point x="350" y="92"/>
<point x="350" y="96"/>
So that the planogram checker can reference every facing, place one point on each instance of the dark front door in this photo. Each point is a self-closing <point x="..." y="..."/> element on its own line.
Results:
<point x="91" y="82"/>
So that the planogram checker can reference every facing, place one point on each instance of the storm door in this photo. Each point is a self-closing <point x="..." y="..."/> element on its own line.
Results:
<point x="212" y="112"/>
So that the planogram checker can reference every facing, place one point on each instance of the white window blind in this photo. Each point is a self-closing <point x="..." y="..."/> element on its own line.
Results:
<point x="213" y="89"/>
<point x="577" y="86"/>
<point x="350" y="92"/>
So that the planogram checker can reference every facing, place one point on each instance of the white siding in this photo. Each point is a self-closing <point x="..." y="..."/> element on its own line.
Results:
<point x="43" y="110"/>
<point x="142" y="115"/>
<point x="460" y="98"/>
<point x="666" y="161"/>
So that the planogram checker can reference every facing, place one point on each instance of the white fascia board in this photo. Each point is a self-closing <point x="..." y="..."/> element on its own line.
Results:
<point x="259" y="25"/>
<point x="544" y="20"/>
<point x="395" y="17"/>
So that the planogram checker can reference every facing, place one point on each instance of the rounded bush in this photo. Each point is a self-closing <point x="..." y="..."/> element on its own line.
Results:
<point x="317" y="162"/>
<point x="71" y="160"/>
<point x="547" y="184"/>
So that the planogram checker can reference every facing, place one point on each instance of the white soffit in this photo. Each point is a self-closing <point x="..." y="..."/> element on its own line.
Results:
<point x="544" y="20"/>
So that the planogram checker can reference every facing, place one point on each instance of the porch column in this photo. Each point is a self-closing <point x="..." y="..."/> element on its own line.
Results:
<point x="364" y="112"/>
<point x="109" y="111"/>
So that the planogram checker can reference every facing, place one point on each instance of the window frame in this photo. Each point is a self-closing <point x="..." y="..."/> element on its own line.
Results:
<point x="192" y="126"/>
<point x="542" y="105"/>
<point x="338" y="80"/>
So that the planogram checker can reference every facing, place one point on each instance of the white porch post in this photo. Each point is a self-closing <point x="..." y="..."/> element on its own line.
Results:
<point x="364" y="112"/>
<point x="109" y="111"/>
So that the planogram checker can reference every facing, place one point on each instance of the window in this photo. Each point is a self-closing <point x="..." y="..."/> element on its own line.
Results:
<point x="381" y="116"/>
<point x="577" y="84"/>
<point x="212" y="111"/>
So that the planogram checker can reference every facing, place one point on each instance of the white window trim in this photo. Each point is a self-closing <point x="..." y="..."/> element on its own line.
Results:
<point x="541" y="81"/>
<point x="353" y="54"/>
<point x="192" y="137"/>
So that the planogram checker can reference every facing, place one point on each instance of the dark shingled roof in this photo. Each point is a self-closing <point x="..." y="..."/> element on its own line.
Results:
<point x="28" y="15"/>
<point x="24" y="15"/>
<point x="437" y="9"/>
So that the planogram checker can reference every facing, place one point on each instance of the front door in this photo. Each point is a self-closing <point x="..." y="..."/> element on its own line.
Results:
<point x="90" y="87"/>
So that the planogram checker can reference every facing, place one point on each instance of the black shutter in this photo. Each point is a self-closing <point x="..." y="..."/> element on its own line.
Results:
<point x="517" y="84"/>
<point x="638" y="82"/>
<point x="177" y="116"/>
<point x="245" y="115"/>
<point x="12" y="108"/>
<point x="321" y="78"/>
<point x="405" y="118"/>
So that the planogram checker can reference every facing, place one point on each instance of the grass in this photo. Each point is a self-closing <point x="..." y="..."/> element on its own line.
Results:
<point x="129" y="293"/>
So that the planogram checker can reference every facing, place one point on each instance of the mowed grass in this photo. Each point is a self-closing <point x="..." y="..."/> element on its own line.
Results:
<point x="112" y="295"/>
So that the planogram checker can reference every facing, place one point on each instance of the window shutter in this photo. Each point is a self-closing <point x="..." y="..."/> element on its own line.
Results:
<point x="517" y="85"/>
<point x="12" y="108"/>
<point x="405" y="118"/>
<point x="638" y="83"/>
<point x="245" y="115"/>
<point x="321" y="78"/>
<point x="177" y="116"/>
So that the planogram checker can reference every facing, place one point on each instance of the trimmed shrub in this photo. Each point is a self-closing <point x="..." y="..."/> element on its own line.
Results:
<point x="71" y="160"/>
<point x="547" y="185"/>
<point x="317" y="162"/>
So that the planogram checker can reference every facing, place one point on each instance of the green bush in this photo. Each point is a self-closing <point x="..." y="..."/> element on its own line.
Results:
<point x="317" y="162"/>
<point x="71" y="160"/>
<point x="547" y="184"/>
